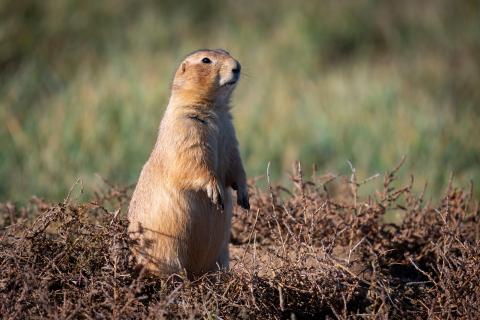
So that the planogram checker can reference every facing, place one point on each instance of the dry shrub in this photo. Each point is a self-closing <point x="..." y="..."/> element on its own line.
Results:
<point x="297" y="254"/>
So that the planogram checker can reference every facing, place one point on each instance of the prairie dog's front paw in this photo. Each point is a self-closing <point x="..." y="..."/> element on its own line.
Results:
<point x="242" y="198"/>
<point x="214" y="193"/>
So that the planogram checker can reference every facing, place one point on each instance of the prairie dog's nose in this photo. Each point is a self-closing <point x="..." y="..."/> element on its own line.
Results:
<point x="237" y="68"/>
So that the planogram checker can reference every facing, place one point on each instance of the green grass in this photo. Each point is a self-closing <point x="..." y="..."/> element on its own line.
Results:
<point x="83" y="87"/>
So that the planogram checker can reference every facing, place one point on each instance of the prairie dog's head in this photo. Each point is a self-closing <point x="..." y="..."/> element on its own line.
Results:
<point x="206" y="75"/>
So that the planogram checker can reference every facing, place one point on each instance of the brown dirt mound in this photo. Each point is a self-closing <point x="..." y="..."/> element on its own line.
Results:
<point x="299" y="254"/>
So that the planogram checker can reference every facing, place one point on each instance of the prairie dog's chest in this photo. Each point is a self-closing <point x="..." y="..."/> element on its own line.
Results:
<point x="216" y="130"/>
<point x="180" y="133"/>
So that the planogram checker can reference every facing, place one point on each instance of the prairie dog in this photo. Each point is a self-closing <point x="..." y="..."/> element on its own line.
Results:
<point x="181" y="209"/>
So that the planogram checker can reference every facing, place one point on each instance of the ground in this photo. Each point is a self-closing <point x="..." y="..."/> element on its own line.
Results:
<point x="301" y="253"/>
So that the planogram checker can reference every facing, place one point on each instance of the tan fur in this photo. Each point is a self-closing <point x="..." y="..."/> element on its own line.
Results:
<point x="181" y="209"/>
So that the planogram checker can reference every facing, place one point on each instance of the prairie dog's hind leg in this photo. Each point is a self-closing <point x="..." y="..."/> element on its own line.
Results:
<point x="223" y="260"/>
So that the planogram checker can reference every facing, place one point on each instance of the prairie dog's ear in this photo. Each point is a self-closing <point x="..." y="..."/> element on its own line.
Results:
<point x="183" y="66"/>
<point x="223" y="50"/>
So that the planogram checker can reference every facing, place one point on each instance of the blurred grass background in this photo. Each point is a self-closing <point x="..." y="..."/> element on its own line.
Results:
<point x="83" y="85"/>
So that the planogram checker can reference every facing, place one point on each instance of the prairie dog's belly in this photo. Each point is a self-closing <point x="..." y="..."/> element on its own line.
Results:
<point x="184" y="228"/>
<point x="208" y="230"/>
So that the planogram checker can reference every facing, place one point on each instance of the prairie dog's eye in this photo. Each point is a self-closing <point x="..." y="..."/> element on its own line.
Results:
<point x="206" y="60"/>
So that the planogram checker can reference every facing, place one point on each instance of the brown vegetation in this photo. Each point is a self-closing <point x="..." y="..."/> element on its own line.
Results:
<point x="302" y="253"/>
